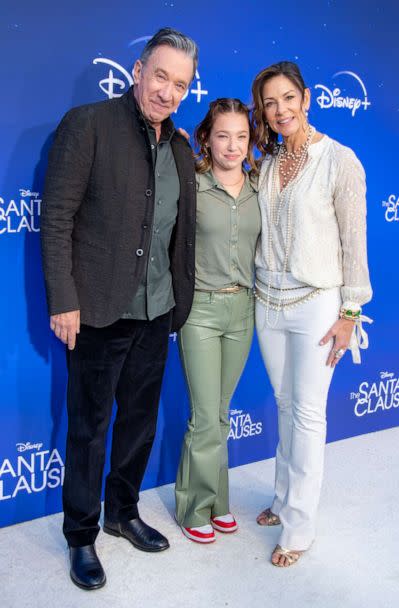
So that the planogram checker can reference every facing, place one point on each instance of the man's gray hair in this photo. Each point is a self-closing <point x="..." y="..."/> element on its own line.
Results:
<point x="170" y="37"/>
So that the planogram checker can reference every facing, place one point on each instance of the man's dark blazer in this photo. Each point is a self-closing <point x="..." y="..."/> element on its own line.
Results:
<point x="98" y="212"/>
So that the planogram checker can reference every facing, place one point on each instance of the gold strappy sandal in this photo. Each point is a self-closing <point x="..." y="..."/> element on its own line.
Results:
<point x="291" y="555"/>
<point x="267" y="518"/>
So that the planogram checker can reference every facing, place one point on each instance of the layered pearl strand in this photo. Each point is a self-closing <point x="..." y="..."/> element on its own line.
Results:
<point x="288" y="173"/>
<point x="289" y="165"/>
<point x="290" y="161"/>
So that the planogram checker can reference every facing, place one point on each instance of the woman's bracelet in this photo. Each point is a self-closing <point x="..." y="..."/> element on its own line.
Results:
<point x="350" y="314"/>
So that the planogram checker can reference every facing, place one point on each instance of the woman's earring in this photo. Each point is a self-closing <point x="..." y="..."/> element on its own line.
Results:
<point x="267" y="135"/>
<point x="306" y="121"/>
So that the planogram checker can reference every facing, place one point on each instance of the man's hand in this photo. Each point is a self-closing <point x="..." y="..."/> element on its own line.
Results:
<point x="65" y="326"/>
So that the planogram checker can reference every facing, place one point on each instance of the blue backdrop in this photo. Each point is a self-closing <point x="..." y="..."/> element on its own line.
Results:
<point x="57" y="55"/>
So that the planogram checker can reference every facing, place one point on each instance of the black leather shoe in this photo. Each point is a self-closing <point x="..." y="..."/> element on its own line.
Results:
<point x="143" y="537"/>
<point x="86" y="570"/>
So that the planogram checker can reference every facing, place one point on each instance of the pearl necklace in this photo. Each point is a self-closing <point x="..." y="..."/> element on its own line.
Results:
<point x="290" y="161"/>
<point x="275" y="215"/>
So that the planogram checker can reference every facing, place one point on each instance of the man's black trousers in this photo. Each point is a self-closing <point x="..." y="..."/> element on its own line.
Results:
<point x="124" y="361"/>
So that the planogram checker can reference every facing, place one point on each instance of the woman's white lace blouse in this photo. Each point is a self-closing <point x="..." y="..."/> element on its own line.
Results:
<point x="328" y="213"/>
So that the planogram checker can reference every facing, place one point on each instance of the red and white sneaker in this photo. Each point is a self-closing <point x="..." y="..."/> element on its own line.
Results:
<point x="200" y="534"/>
<point x="224" y="523"/>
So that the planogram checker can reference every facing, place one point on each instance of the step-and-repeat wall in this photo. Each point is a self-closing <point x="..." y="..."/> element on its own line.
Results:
<point x="58" y="55"/>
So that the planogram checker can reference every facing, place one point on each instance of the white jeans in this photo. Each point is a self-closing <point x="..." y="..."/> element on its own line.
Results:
<point x="296" y="365"/>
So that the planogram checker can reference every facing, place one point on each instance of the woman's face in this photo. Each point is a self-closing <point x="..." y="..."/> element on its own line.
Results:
<point x="283" y="105"/>
<point x="228" y="140"/>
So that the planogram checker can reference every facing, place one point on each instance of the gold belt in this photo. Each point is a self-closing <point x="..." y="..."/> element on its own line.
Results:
<point x="232" y="289"/>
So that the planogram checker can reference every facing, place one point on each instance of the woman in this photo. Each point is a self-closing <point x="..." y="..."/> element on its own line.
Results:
<point x="215" y="341"/>
<point x="311" y="281"/>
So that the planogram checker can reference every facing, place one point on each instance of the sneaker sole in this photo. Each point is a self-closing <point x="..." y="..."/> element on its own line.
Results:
<point x="202" y="541"/>
<point x="224" y="530"/>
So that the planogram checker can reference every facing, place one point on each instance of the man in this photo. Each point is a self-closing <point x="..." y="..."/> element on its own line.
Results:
<point x="118" y="255"/>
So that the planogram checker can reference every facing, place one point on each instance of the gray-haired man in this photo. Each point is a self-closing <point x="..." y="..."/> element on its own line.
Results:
<point x="118" y="255"/>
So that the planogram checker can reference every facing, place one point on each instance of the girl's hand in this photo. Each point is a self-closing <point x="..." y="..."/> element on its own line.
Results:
<point x="341" y="333"/>
<point x="184" y="133"/>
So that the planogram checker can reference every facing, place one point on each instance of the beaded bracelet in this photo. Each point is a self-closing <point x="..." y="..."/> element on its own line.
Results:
<point x="349" y="314"/>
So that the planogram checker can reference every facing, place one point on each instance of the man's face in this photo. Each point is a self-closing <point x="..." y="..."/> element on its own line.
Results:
<point x="162" y="82"/>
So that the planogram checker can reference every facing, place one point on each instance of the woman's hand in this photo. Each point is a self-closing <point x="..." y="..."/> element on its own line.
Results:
<point x="341" y="333"/>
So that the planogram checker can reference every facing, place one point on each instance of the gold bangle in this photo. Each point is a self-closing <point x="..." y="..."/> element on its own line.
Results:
<point x="347" y="313"/>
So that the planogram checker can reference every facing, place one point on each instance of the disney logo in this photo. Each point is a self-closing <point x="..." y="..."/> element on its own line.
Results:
<point x="23" y="447"/>
<point x="28" y="193"/>
<point x="386" y="375"/>
<point x="333" y="99"/>
<point x="107" y="85"/>
<point x="235" y="412"/>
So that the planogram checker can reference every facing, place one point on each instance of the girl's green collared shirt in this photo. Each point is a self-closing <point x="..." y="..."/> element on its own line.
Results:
<point x="226" y="235"/>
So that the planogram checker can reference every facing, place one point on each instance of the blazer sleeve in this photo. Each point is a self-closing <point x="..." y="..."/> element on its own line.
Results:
<point x="67" y="178"/>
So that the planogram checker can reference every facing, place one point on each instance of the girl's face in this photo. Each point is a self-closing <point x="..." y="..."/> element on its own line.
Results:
<point x="229" y="140"/>
<point x="283" y="105"/>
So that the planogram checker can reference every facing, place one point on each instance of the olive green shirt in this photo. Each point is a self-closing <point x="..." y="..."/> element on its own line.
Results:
<point x="226" y="234"/>
<point x="154" y="296"/>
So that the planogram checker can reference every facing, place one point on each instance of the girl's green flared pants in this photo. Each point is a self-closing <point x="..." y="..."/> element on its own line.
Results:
<point x="214" y="345"/>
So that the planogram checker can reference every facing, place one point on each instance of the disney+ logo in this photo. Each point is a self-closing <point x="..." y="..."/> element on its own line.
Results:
<point x="334" y="99"/>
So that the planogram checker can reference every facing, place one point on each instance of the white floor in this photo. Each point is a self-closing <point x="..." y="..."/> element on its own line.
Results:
<point x="353" y="564"/>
